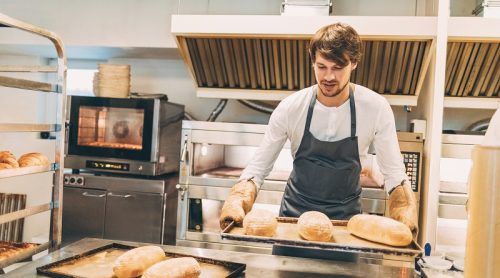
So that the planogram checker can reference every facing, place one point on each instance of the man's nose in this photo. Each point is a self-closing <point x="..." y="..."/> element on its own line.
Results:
<point x="330" y="75"/>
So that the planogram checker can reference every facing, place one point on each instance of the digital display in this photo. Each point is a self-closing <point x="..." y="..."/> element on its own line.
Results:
<point x="107" y="165"/>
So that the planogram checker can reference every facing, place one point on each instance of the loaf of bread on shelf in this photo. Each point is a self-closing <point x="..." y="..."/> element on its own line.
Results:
<point x="315" y="226"/>
<point x="33" y="159"/>
<point x="185" y="267"/>
<point x="8" y="158"/>
<point x="5" y="166"/>
<point x="134" y="262"/>
<point x="380" y="229"/>
<point x="260" y="222"/>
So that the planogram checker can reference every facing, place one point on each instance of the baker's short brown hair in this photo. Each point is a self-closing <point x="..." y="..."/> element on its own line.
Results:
<point x="338" y="42"/>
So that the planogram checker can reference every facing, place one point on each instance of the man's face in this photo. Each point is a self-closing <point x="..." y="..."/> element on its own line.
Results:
<point x="332" y="79"/>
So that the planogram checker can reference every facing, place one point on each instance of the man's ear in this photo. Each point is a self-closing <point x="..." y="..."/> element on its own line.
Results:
<point x="354" y="66"/>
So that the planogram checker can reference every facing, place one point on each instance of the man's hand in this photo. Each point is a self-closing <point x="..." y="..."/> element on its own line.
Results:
<point x="403" y="207"/>
<point x="238" y="203"/>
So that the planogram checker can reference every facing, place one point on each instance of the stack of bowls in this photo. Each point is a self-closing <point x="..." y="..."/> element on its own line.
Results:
<point x="112" y="80"/>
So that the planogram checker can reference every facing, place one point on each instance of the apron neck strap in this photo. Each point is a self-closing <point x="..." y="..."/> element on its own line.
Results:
<point x="351" y="103"/>
<point x="353" y="110"/>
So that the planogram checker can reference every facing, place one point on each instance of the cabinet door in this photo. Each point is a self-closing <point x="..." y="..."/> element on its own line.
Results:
<point x="134" y="216"/>
<point x="83" y="213"/>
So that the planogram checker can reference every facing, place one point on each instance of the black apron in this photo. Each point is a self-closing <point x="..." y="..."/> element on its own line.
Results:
<point x="325" y="175"/>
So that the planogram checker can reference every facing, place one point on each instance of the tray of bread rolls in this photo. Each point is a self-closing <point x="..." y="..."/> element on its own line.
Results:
<point x="365" y="234"/>
<point x="117" y="260"/>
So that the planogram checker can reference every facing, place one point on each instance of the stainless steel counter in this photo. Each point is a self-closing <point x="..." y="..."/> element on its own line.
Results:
<point x="257" y="265"/>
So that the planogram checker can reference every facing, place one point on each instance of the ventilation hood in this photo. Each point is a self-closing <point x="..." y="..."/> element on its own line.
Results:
<point x="266" y="57"/>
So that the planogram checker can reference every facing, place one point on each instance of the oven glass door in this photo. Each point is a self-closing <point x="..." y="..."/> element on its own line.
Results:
<point x="111" y="127"/>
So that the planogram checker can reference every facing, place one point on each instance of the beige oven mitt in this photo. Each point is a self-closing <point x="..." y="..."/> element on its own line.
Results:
<point x="403" y="207"/>
<point x="238" y="203"/>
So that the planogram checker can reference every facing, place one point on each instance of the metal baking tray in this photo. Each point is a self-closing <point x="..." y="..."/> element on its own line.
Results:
<point x="99" y="263"/>
<point x="287" y="234"/>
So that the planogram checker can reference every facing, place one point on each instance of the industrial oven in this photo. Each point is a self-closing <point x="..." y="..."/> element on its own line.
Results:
<point x="213" y="156"/>
<point x="124" y="159"/>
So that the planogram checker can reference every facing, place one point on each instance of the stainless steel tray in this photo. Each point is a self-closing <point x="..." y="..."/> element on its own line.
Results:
<point x="342" y="240"/>
<point x="99" y="263"/>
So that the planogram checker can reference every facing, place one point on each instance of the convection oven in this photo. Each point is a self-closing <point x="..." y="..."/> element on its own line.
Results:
<point x="214" y="154"/>
<point x="124" y="135"/>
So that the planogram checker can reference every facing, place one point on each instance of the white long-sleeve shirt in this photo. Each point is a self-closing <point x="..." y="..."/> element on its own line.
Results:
<point x="374" y="125"/>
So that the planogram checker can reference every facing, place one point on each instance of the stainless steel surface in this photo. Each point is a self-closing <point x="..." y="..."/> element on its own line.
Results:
<point x="257" y="265"/>
<point x="452" y="206"/>
<point x="459" y="146"/>
<point x="122" y="208"/>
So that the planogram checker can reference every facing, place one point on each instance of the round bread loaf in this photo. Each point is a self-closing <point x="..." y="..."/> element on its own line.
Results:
<point x="5" y="166"/>
<point x="315" y="225"/>
<point x="135" y="261"/>
<point x="185" y="267"/>
<point x="259" y="222"/>
<point x="380" y="229"/>
<point x="8" y="158"/>
<point x="33" y="159"/>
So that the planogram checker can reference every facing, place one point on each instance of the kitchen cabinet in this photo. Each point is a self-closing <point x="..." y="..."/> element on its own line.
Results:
<point x="121" y="208"/>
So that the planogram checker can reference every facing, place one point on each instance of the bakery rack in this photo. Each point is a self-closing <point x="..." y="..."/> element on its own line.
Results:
<point x="59" y="88"/>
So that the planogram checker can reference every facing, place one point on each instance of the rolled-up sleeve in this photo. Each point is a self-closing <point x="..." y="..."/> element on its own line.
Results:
<point x="387" y="148"/>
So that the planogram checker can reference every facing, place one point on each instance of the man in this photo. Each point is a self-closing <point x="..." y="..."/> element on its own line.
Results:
<point x="330" y="126"/>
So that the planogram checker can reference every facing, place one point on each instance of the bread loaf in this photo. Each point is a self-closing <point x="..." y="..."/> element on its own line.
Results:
<point x="135" y="261"/>
<point x="185" y="267"/>
<point x="5" y="166"/>
<point x="380" y="229"/>
<point x="314" y="225"/>
<point x="33" y="159"/>
<point x="8" y="158"/>
<point x="260" y="222"/>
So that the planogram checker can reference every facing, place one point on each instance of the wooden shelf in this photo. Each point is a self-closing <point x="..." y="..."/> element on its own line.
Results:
<point x="6" y="127"/>
<point x="21" y="171"/>
<point x="16" y="68"/>
<point x="29" y="84"/>
<point x="5" y="218"/>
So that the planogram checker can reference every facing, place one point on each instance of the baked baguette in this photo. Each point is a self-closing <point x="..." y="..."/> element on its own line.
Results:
<point x="8" y="158"/>
<point x="259" y="222"/>
<point x="185" y="267"/>
<point x="135" y="261"/>
<point x="380" y="229"/>
<point x="33" y="159"/>
<point x="246" y="191"/>
<point x="315" y="225"/>
<point x="5" y="166"/>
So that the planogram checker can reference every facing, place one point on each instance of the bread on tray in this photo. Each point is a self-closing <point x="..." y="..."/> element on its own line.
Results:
<point x="380" y="229"/>
<point x="260" y="222"/>
<point x="183" y="267"/>
<point x="134" y="262"/>
<point x="315" y="226"/>
<point x="33" y="159"/>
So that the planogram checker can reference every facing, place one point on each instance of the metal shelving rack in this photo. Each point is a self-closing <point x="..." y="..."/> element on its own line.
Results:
<point x="59" y="88"/>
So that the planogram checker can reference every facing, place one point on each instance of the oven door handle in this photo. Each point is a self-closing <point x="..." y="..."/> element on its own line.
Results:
<point x="184" y="150"/>
<point x="86" y="194"/>
<point x="118" y="195"/>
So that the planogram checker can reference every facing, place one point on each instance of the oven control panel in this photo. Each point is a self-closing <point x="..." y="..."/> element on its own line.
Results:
<point x="412" y="165"/>
<point x="74" y="180"/>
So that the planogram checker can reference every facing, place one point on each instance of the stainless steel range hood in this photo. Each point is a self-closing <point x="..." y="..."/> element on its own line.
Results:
<point x="266" y="57"/>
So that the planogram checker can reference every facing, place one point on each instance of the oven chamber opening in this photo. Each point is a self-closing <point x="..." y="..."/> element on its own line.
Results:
<point x="110" y="127"/>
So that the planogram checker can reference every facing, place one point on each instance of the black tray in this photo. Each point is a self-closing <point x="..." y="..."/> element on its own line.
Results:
<point x="235" y="268"/>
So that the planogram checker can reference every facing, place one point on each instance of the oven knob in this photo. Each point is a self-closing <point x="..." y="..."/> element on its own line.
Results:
<point x="66" y="180"/>
<point x="72" y="180"/>
<point x="79" y="181"/>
